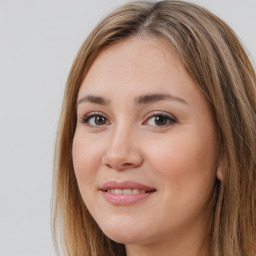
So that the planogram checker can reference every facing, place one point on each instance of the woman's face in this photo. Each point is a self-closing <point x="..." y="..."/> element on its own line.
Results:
<point x="145" y="145"/>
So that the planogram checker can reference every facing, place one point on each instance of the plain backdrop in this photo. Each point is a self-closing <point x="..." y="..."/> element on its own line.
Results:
<point x="38" y="42"/>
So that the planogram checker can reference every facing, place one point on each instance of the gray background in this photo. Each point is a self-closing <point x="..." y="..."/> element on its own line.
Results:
<point x="39" y="40"/>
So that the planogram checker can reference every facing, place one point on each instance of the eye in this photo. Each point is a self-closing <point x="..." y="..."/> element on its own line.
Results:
<point x="161" y="120"/>
<point x="94" y="119"/>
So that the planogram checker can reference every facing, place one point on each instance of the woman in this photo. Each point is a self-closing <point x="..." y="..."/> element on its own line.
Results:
<point x="156" y="148"/>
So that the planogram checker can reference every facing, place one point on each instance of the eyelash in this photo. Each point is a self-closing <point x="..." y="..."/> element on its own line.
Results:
<point x="86" y="119"/>
<point x="170" y="119"/>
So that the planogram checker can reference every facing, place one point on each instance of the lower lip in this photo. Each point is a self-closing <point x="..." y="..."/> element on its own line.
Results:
<point x="125" y="199"/>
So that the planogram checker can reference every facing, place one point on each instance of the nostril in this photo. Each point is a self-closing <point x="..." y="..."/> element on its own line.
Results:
<point x="119" y="167"/>
<point x="127" y="164"/>
<point x="122" y="161"/>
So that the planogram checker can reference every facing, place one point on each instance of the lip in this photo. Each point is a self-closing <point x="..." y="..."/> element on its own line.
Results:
<point x="125" y="199"/>
<point x="125" y="185"/>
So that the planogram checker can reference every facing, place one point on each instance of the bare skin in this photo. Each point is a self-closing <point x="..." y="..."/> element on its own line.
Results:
<point x="142" y="118"/>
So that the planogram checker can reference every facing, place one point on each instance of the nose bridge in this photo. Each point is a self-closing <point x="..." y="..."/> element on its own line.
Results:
<point x="122" y="136"/>
<point x="122" y="150"/>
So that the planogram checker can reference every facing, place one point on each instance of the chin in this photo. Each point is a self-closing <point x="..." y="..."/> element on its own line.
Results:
<point x="124" y="234"/>
<point x="122" y="238"/>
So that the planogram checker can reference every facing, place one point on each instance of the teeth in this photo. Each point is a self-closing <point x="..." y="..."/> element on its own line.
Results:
<point x="127" y="191"/>
<point x="118" y="191"/>
<point x="135" y="191"/>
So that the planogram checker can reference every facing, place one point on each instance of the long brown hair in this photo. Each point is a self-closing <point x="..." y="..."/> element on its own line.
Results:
<point x="215" y="59"/>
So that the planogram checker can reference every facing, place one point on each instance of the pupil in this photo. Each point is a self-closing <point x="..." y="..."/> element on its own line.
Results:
<point x="99" y="120"/>
<point x="160" y="120"/>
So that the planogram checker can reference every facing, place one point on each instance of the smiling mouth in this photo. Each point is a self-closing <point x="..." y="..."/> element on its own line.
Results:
<point x="125" y="193"/>
<point x="129" y="191"/>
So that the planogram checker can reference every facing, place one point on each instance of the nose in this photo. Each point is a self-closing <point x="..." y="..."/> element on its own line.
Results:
<point x="123" y="151"/>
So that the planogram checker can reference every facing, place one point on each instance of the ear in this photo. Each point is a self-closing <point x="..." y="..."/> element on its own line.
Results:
<point x="220" y="165"/>
<point x="219" y="173"/>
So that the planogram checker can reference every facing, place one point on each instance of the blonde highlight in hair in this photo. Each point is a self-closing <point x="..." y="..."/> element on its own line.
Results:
<point x="215" y="59"/>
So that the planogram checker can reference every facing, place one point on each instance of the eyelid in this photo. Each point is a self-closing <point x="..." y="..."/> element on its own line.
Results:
<point x="162" y="113"/>
<point x="171" y="118"/>
<point x="93" y="113"/>
<point x="159" y="112"/>
<point x="85" y="118"/>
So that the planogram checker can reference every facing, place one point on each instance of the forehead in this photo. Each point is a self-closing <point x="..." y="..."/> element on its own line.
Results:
<point x="137" y="65"/>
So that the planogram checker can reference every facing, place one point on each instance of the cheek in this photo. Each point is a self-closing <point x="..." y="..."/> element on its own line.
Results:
<point x="185" y="161"/>
<point x="86" y="158"/>
<point x="186" y="174"/>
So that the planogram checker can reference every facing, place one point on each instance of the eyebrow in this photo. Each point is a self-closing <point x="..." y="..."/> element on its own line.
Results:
<point x="94" y="99"/>
<point x="143" y="99"/>
<point x="150" y="98"/>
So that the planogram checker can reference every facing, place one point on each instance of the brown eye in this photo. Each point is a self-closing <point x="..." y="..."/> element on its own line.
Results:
<point x="99" y="120"/>
<point x="158" y="120"/>
<point x="95" y="120"/>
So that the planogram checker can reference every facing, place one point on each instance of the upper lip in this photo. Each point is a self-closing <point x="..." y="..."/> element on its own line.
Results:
<point x="125" y="185"/>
